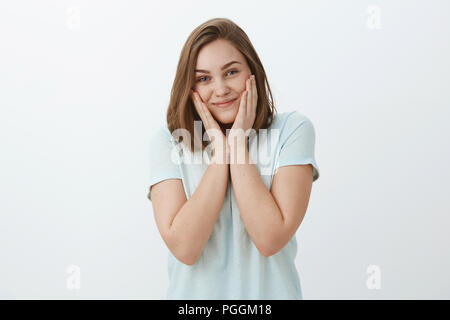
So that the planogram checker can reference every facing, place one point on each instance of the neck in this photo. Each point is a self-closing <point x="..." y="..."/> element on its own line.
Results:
<point x="224" y="128"/>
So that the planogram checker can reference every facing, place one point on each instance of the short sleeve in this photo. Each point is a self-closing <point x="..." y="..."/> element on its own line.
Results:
<point x="298" y="143"/>
<point x="161" y="165"/>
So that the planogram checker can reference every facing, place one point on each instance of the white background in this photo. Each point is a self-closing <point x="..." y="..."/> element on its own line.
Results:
<point x="83" y="84"/>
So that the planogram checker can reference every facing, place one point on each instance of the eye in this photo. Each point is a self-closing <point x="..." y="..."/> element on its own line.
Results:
<point x="200" y="79"/>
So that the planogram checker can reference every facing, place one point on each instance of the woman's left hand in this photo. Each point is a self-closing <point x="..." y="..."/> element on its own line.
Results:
<point x="246" y="113"/>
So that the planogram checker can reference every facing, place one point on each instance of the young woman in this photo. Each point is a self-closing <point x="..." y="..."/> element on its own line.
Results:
<point x="229" y="219"/>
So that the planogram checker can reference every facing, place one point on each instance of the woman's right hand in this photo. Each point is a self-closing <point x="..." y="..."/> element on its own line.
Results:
<point x="221" y="151"/>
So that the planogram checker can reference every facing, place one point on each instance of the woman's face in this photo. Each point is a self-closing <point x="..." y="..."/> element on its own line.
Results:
<point x="216" y="80"/>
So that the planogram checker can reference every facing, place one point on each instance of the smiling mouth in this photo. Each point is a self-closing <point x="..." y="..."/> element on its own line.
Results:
<point x="226" y="104"/>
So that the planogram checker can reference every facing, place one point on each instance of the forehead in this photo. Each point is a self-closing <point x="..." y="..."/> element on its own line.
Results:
<point x="215" y="54"/>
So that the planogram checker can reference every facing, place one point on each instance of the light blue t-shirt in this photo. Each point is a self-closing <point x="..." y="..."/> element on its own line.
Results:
<point x="230" y="266"/>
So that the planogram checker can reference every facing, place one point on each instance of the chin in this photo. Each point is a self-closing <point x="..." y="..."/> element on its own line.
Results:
<point x="226" y="117"/>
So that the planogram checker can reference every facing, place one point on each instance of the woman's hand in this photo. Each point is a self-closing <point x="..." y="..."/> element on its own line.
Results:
<point x="246" y="116"/>
<point x="218" y="140"/>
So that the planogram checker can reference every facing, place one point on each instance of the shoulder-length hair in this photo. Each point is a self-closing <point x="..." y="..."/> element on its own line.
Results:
<point x="181" y="112"/>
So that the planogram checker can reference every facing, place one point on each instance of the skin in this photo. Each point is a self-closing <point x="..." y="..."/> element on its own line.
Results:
<point x="216" y="84"/>
<point x="271" y="217"/>
<point x="221" y="85"/>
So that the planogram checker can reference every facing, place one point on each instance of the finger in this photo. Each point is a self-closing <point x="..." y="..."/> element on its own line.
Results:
<point x="208" y="120"/>
<point x="199" y="108"/>
<point x="254" y="95"/>
<point x="249" y="97"/>
<point x="194" y="100"/>
<point x="243" y="104"/>
<point x="208" y="116"/>
<point x="204" y="108"/>
<point x="199" y="104"/>
<point x="247" y="89"/>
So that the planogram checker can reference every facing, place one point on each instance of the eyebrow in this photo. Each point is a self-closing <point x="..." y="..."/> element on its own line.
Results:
<point x="224" y="67"/>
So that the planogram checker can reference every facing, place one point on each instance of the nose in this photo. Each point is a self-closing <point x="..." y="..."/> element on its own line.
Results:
<point x="221" y="88"/>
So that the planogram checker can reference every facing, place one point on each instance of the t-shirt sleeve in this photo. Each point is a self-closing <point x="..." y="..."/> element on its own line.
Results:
<point x="297" y="143"/>
<point x="161" y="165"/>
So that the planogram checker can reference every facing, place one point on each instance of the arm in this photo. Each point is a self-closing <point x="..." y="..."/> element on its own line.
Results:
<point x="187" y="225"/>
<point x="186" y="229"/>
<point x="271" y="218"/>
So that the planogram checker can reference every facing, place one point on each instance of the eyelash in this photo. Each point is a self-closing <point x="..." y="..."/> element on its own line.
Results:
<point x="198" y="80"/>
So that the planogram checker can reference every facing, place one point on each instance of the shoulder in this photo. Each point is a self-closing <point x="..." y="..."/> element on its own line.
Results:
<point x="290" y="118"/>
<point x="290" y="121"/>
<point x="161" y="135"/>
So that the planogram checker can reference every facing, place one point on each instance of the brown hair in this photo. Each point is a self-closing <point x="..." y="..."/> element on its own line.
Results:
<point x="181" y="112"/>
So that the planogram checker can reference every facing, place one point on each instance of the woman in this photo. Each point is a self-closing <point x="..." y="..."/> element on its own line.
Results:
<point x="229" y="218"/>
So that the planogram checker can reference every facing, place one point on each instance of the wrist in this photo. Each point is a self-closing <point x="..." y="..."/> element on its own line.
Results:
<point x="220" y="153"/>
<point x="239" y="153"/>
<point x="237" y="140"/>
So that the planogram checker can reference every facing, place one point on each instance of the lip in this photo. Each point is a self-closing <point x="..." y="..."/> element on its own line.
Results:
<point x="226" y="104"/>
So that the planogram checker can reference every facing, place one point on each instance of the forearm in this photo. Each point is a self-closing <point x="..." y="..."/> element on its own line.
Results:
<point x="194" y="223"/>
<point x="260" y="214"/>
